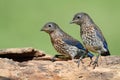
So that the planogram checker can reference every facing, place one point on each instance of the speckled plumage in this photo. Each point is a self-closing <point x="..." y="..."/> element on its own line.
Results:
<point x="64" y="43"/>
<point x="91" y="35"/>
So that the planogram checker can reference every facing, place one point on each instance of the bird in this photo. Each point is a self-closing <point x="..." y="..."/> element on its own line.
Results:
<point x="91" y="35"/>
<point x="65" y="44"/>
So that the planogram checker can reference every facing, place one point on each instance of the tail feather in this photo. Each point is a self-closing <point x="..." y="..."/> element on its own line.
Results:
<point x="83" y="52"/>
<point x="105" y="53"/>
<point x="90" y="55"/>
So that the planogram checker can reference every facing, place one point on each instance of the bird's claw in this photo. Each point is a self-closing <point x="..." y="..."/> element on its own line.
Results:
<point x="80" y="60"/>
<point x="90" y="63"/>
<point x="95" y="64"/>
<point x="53" y="59"/>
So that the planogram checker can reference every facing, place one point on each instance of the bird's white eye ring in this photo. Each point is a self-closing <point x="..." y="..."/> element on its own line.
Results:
<point x="49" y="25"/>
<point x="78" y="17"/>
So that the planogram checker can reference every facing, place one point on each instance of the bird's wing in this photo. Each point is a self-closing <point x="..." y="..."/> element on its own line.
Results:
<point x="101" y="37"/>
<point x="73" y="43"/>
<point x="77" y="44"/>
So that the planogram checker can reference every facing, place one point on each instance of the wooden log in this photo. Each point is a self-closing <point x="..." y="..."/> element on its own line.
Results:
<point x="49" y="58"/>
<point x="21" y="54"/>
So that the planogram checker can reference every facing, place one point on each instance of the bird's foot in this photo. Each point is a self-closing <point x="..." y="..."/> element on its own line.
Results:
<point x="95" y="64"/>
<point x="53" y="59"/>
<point x="78" y="62"/>
<point x="60" y="58"/>
<point x="55" y="56"/>
<point x="90" y="63"/>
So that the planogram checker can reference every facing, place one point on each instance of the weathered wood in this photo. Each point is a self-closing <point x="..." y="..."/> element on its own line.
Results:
<point x="25" y="54"/>
<point x="21" y="54"/>
<point x="49" y="58"/>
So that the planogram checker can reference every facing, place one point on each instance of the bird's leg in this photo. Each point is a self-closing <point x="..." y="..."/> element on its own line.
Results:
<point x="90" y="62"/>
<point x="90" y="59"/>
<point x="95" y="63"/>
<point x="55" y="56"/>
<point x="80" y="60"/>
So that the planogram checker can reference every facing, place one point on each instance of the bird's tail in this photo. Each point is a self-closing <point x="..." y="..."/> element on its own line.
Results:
<point x="105" y="53"/>
<point x="80" y="53"/>
<point x="90" y="55"/>
<point x="83" y="52"/>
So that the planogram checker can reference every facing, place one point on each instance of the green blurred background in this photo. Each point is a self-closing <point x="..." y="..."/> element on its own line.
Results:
<point x="21" y="21"/>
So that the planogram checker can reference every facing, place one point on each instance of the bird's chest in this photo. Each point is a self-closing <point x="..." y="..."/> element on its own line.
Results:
<point x="64" y="48"/>
<point x="59" y="45"/>
<point x="89" y="38"/>
<point x="88" y="35"/>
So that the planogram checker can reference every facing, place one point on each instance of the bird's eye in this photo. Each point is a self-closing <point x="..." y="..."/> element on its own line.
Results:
<point x="78" y="17"/>
<point x="49" y="25"/>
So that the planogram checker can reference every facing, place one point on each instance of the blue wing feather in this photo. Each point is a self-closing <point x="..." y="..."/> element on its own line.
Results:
<point x="74" y="43"/>
<point x="77" y="44"/>
<point x="101" y="37"/>
<point x="99" y="34"/>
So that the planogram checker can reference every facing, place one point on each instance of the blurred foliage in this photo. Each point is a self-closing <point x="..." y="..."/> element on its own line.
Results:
<point x="21" y="21"/>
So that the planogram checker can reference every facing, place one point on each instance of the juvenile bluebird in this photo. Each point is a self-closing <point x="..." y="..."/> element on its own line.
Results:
<point x="64" y="43"/>
<point x="91" y="35"/>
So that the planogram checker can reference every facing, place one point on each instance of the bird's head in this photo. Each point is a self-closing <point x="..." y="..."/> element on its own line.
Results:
<point x="49" y="27"/>
<point x="79" y="18"/>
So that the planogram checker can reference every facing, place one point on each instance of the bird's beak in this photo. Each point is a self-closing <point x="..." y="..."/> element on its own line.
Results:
<point x="72" y="22"/>
<point x="42" y="29"/>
